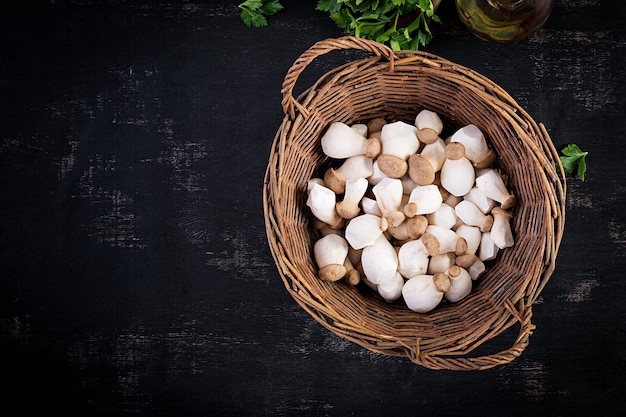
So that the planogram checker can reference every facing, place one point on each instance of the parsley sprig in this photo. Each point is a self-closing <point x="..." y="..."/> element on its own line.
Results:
<point x="573" y="160"/>
<point x="401" y="24"/>
<point x="255" y="12"/>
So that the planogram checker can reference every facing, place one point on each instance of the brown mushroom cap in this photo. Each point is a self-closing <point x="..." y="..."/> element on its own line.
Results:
<point x="499" y="211"/>
<point x="460" y="246"/>
<point x="420" y="170"/>
<point x="332" y="272"/>
<point x="454" y="271"/>
<point x="431" y="243"/>
<point x="455" y="151"/>
<point x="442" y="282"/>
<point x="466" y="260"/>
<point x="334" y="181"/>
<point x="487" y="223"/>
<point x="427" y="135"/>
<point x="376" y="125"/>
<point x="373" y="147"/>
<point x="416" y="226"/>
<point x="410" y="209"/>
<point x="353" y="277"/>
<point x="347" y="210"/>
<point x="508" y="202"/>
<point x="486" y="161"/>
<point x="392" y="166"/>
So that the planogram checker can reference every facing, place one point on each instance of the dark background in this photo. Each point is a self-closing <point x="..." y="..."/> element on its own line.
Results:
<point x="135" y="274"/>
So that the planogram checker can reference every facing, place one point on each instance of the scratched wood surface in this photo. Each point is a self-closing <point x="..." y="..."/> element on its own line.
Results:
<point x="135" y="275"/>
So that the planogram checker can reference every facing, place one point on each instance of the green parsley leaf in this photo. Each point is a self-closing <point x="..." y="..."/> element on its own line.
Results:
<point x="254" y="12"/>
<point x="272" y="7"/>
<point x="251" y="5"/>
<point x="573" y="160"/>
<point x="330" y="6"/>
<point x="402" y="24"/>
<point x="250" y="18"/>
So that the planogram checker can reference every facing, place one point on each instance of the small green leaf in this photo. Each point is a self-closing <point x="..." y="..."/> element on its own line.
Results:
<point x="254" y="12"/>
<point x="272" y="7"/>
<point x="251" y="18"/>
<point x="251" y="4"/>
<point x="582" y="169"/>
<point x="330" y="6"/>
<point x="343" y="19"/>
<point x="573" y="160"/>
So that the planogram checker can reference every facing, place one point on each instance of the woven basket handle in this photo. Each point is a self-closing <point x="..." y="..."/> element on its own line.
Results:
<point x="289" y="103"/>
<point x="521" y="314"/>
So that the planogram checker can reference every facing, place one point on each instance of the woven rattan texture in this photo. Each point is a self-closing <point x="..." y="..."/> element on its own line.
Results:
<point x="396" y="86"/>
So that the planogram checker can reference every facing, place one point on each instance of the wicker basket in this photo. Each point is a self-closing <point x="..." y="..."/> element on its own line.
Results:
<point x="396" y="85"/>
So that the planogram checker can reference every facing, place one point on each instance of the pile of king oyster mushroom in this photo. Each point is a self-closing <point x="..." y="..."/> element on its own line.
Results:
<point x="412" y="215"/>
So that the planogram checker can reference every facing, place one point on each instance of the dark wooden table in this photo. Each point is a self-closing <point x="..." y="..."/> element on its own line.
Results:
<point x="135" y="274"/>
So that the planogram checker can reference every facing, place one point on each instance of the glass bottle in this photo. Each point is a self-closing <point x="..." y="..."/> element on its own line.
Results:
<point x="503" y="20"/>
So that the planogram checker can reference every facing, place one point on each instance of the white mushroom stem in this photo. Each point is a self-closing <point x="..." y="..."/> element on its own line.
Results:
<point x="429" y="126"/>
<point x="484" y="203"/>
<point x="453" y="200"/>
<point x="360" y="128"/>
<point x="398" y="141"/>
<point x="435" y="153"/>
<point x="448" y="240"/>
<point x="472" y="264"/>
<point x="457" y="174"/>
<point x="359" y="166"/>
<point x="322" y="203"/>
<point x="400" y="233"/>
<point x="501" y="231"/>
<point x="370" y="206"/>
<point x="488" y="249"/>
<point x="476" y="148"/>
<point x="440" y="263"/>
<point x="388" y="195"/>
<point x="355" y="189"/>
<point x="312" y="182"/>
<point x="330" y="253"/>
<point x="365" y="280"/>
<point x="460" y="284"/>
<point x="413" y="259"/>
<point x="424" y="199"/>
<point x="423" y="293"/>
<point x="444" y="216"/>
<point x="379" y="261"/>
<point x="490" y="182"/>
<point x="340" y="142"/>
<point x="392" y="289"/>
<point x="407" y="184"/>
<point x="472" y="235"/>
<point x="476" y="269"/>
<point x="364" y="230"/>
<point x="472" y="216"/>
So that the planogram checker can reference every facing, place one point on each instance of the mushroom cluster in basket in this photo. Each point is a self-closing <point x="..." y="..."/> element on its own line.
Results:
<point x="412" y="215"/>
